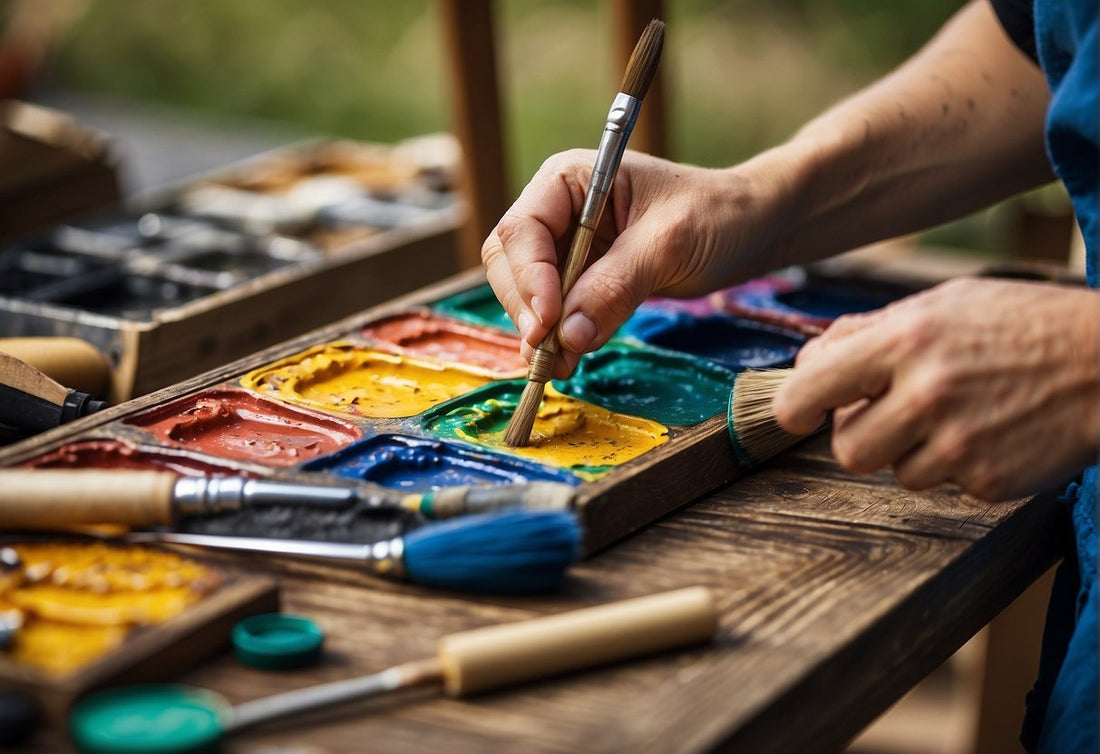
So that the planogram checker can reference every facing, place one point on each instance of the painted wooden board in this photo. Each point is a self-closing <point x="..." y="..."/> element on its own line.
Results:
<point x="696" y="458"/>
<point x="836" y="593"/>
<point x="151" y="653"/>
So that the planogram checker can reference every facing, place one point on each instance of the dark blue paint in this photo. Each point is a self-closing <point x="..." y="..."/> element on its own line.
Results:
<point x="730" y="341"/>
<point x="411" y="465"/>
<point x="830" y="302"/>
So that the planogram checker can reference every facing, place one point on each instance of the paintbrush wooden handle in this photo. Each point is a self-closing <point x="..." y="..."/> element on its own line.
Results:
<point x="47" y="498"/>
<point x="73" y="362"/>
<point x="542" y="364"/>
<point x="499" y="655"/>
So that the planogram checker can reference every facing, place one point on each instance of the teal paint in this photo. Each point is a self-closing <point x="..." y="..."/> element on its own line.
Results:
<point x="667" y="387"/>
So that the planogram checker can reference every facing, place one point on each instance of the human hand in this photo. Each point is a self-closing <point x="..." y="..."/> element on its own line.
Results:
<point x="988" y="383"/>
<point x="673" y="228"/>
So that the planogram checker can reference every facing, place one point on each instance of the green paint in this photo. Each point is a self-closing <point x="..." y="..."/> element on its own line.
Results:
<point x="572" y="434"/>
<point x="478" y="306"/>
<point x="668" y="387"/>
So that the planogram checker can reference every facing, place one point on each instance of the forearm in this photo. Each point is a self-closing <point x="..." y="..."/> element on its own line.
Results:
<point x="956" y="128"/>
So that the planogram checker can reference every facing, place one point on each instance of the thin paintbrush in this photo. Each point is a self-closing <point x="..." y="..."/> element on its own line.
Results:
<point x="509" y="551"/>
<point x="41" y="498"/>
<point x="640" y="71"/>
<point x="755" y="433"/>
<point x="142" y="718"/>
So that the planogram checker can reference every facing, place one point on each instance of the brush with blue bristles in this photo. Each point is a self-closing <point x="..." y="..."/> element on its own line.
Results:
<point x="511" y="551"/>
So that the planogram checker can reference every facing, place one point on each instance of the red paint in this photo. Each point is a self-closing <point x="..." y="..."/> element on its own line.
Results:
<point x="236" y="424"/>
<point x="111" y="454"/>
<point x="420" y="333"/>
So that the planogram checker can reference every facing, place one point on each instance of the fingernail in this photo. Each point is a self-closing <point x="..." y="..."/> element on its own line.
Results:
<point x="535" y="306"/>
<point x="525" y="323"/>
<point x="577" y="332"/>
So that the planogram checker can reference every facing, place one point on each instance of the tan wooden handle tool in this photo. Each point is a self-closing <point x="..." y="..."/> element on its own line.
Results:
<point x="73" y="362"/>
<point x="495" y="656"/>
<point x="47" y="498"/>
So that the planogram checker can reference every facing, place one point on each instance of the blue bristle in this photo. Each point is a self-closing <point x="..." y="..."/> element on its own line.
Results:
<point x="513" y="551"/>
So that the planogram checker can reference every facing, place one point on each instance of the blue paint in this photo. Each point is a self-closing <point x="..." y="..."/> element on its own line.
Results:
<point x="829" y="302"/>
<point x="665" y="386"/>
<point x="478" y="306"/>
<point x="732" y="342"/>
<point x="412" y="465"/>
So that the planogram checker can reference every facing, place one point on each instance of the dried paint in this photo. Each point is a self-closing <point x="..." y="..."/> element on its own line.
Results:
<point x="730" y="341"/>
<point x="477" y="305"/>
<point x="667" y="387"/>
<point x="360" y="523"/>
<point x="585" y="438"/>
<point x="236" y="424"/>
<point x="112" y="454"/>
<point x="79" y="601"/>
<point x="412" y="464"/>
<point x="419" y="333"/>
<point x="354" y="380"/>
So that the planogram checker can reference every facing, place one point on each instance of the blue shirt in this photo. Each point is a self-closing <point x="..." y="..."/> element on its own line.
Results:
<point x="1063" y="706"/>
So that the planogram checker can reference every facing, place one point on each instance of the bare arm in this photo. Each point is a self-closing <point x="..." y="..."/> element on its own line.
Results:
<point x="957" y="127"/>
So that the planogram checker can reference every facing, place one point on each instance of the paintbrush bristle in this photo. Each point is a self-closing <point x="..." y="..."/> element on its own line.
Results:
<point x="511" y="551"/>
<point x="519" y="428"/>
<point x="756" y="434"/>
<point x="642" y="67"/>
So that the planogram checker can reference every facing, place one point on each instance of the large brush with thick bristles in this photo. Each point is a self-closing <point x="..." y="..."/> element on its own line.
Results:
<point x="755" y="433"/>
<point x="511" y="551"/>
<point x="640" y="71"/>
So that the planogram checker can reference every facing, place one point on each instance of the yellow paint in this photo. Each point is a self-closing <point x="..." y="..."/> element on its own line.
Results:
<point x="580" y="436"/>
<point x="348" y="379"/>
<point x="79" y="600"/>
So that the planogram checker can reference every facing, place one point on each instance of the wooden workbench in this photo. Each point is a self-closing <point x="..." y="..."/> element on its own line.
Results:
<point x="837" y="593"/>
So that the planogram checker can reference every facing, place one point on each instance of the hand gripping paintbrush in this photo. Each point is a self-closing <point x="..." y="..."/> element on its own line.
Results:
<point x="640" y="71"/>
<point x="510" y="551"/>
<point x="46" y="498"/>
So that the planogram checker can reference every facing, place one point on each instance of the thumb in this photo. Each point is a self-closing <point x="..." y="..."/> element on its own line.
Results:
<point x="609" y="291"/>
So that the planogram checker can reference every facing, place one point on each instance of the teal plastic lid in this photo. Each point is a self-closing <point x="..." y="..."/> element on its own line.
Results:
<point x="153" y="718"/>
<point x="276" y="641"/>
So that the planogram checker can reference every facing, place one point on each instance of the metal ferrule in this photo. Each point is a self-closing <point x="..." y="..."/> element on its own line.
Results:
<point x="387" y="558"/>
<point x="195" y="496"/>
<point x="616" y="131"/>
<point x="206" y="496"/>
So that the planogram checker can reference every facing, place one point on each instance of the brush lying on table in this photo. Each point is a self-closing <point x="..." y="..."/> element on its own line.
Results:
<point x="31" y="402"/>
<point x="43" y="498"/>
<point x="508" y="551"/>
<point x="145" y="718"/>
<point x="640" y="71"/>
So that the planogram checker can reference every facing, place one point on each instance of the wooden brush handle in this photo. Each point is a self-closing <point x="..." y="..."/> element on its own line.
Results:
<point x="499" y="655"/>
<point x="46" y="498"/>
<point x="73" y="362"/>
<point x="542" y="364"/>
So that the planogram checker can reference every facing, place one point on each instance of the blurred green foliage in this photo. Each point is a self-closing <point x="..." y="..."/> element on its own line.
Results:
<point x="743" y="74"/>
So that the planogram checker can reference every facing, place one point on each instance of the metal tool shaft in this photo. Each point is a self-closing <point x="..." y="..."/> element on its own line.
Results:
<point x="383" y="558"/>
<point x="212" y="495"/>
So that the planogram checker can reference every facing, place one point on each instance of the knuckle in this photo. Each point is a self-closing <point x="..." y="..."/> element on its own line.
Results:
<point x="849" y="454"/>
<point x="911" y="478"/>
<point x="617" y="295"/>
<point x="984" y="481"/>
<point x="954" y="447"/>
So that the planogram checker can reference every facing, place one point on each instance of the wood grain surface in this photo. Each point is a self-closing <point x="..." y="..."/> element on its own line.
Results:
<point x="836" y="593"/>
